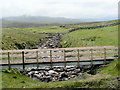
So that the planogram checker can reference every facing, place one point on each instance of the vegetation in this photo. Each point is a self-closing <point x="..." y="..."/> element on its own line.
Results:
<point x="18" y="38"/>
<point x="107" y="36"/>
<point x="106" y="77"/>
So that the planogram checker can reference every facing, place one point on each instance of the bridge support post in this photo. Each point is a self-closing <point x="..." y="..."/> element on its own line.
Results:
<point x="37" y="59"/>
<point x="50" y="58"/>
<point x="104" y="56"/>
<point x="23" y="59"/>
<point x="113" y="52"/>
<point x="9" y="61"/>
<point x="64" y="58"/>
<point x="78" y="58"/>
<point x="91" y="57"/>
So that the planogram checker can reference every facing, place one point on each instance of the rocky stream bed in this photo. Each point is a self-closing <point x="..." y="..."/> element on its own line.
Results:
<point x="56" y="73"/>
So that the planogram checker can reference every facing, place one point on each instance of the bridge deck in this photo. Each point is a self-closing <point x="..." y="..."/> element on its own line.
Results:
<point x="58" y="55"/>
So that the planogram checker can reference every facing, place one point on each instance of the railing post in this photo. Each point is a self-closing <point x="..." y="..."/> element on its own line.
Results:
<point x="113" y="52"/>
<point x="64" y="58"/>
<point x="23" y="59"/>
<point x="9" y="61"/>
<point x="91" y="57"/>
<point x="104" y="56"/>
<point x="37" y="59"/>
<point x="50" y="58"/>
<point x="100" y="53"/>
<point x="78" y="58"/>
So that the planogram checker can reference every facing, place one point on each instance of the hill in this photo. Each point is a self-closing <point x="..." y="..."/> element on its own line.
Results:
<point x="103" y="36"/>
<point x="18" y="38"/>
<point x="20" y="21"/>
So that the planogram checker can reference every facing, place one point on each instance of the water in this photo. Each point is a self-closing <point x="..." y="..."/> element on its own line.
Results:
<point x="57" y="64"/>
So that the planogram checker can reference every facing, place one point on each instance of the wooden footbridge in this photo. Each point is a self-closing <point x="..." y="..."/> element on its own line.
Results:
<point x="58" y="55"/>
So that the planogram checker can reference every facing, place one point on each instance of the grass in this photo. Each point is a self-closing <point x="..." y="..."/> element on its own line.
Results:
<point x="107" y="36"/>
<point x="106" y="78"/>
<point x="18" y="38"/>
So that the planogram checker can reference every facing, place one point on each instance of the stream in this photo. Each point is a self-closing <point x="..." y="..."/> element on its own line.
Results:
<point x="57" y="64"/>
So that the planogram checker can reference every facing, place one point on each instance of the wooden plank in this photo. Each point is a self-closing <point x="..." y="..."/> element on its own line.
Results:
<point x="92" y="57"/>
<point x="78" y="58"/>
<point x="37" y="59"/>
<point x="57" y="60"/>
<point x="81" y="48"/>
<point x="64" y="58"/>
<point x="23" y="59"/>
<point x="51" y="58"/>
<point x="104" y="56"/>
<point x="43" y="54"/>
<point x="15" y="55"/>
<point x="9" y="61"/>
<point x="67" y="53"/>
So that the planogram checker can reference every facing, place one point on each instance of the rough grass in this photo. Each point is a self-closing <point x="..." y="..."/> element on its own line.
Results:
<point x="107" y="36"/>
<point x="16" y="37"/>
<point x="106" y="78"/>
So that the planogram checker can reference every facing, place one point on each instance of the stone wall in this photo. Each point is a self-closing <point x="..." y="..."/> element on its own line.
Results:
<point x="93" y="27"/>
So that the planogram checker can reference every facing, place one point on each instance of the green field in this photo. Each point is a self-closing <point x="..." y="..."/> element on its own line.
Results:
<point x="18" y="38"/>
<point x="106" y="77"/>
<point x="107" y="36"/>
<point x="12" y="38"/>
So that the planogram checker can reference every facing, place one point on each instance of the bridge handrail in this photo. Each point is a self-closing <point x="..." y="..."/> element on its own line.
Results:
<point x="80" y="48"/>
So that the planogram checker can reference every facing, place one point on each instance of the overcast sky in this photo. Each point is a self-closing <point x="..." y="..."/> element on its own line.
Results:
<point x="80" y="9"/>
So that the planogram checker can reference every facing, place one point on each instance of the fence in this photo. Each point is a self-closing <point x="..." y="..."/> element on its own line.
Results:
<point x="58" y="55"/>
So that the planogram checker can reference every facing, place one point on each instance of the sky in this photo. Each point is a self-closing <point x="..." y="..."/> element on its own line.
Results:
<point x="76" y="9"/>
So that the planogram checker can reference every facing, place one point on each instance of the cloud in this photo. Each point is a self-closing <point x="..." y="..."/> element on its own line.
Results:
<point x="86" y="9"/>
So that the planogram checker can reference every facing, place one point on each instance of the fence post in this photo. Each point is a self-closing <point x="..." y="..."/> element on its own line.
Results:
<point x="37" y="59"/>
<point x="78" y="59"/>
<point x="9" y="61"/>
<point x="113" y="52"/>
<point x="64" y="58"/>
<point x="50" y="58"/>
<point x="91" y="57"/>
<point x="23" y="59"/>
<point x="104" y="56"/>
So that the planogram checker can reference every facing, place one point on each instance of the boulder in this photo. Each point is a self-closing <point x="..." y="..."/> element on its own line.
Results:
<point x="63" y="74"/>
<point x="52" y="72"/>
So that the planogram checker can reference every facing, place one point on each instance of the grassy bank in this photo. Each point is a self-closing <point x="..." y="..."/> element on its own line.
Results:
<point x="106" y="77"/>
<point x="18" y="38"/>
<point x="107" y="36"/>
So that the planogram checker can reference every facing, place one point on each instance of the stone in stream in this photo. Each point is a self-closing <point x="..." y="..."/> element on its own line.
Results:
<point x="57" y="73"/>
<point x="68" y="70"/>
<point x="59" y="69"/>
<point x="63" y="74"/>
<point x="72" y="76"/>
<point x="79" y="74"/>
<point x="52" y="72"/>
<point x="29" y="74"/>
<point x="36" y="72"/>
<point x="47" y="79"/>
<point x="47" y="69"/>
<point x="36" y="79"/>
<point x="77" y="70"/>
<point x="33" y="69"/>
<point x="64" y="79"/>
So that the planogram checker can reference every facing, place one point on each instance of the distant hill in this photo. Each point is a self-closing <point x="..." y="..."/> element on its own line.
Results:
<point x="41" y="19"/>
<point x="34" y="21"/>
